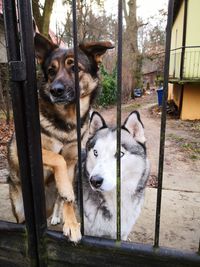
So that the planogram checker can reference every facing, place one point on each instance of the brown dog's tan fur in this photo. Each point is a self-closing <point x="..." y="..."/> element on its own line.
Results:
<point x="57" y="103"/>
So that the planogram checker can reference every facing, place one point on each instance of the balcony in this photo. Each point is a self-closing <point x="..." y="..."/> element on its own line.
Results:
<point x="185" y="64"/>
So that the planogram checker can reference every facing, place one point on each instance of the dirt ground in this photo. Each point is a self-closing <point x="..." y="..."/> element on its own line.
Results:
<point x="180" y="215"/>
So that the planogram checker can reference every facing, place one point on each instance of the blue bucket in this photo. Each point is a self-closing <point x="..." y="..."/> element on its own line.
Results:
<point x="160" y="96"/>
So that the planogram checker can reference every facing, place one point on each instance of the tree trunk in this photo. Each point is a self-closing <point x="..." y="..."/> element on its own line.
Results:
<point x="36" y="14"/>
<point x="46" y="16"/>
<point x="42" y="20"/>
<point x="130" y="43"/>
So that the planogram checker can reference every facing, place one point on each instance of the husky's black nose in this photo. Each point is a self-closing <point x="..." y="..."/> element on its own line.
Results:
<point x="57" y="90"/>
<point x="96" y="181"/>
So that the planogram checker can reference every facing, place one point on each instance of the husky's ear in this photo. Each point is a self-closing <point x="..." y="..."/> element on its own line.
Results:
<point x="135" y="126"/>
<point x="95" y="49"/>
<point x="43" y="47"/>
<point x="97" y="122"/>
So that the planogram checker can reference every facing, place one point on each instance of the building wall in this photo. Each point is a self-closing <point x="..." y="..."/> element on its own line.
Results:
<point x="174" y="93"/>
<point x="176" y="42"/>
<point x="3" y="55"/>
<point x="191" y="102"/>
<point x="170" y="91"/>
<point x="193" y="23"/>
<point x="192" y="55"/>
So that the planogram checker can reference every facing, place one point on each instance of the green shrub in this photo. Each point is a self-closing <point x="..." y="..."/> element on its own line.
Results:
<point x="108" y="92"/>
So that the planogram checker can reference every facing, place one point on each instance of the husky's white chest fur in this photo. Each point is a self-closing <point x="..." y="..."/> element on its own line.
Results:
<point x="101" y="220"/>
<point x="99" y="187"/>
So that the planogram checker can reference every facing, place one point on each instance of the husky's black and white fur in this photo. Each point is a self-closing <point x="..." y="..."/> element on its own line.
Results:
<point x="99" y="186"/>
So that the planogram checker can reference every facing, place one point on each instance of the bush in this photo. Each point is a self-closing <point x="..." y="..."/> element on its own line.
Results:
<point x="108" y="93"/>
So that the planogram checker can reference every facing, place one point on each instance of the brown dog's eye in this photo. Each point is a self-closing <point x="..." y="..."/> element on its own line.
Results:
<point x="51" y="72"/>
<point x="70" y="61"/>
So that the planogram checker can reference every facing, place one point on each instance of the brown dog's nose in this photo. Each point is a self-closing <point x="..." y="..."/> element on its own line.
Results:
<point x="96" y="181"/>
<point x="57" y="90"/>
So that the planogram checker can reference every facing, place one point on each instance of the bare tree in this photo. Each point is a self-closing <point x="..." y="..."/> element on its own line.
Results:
<point x="42" y="14"/>
<point x="130" y="46"/>
<point x="91" y="26"/>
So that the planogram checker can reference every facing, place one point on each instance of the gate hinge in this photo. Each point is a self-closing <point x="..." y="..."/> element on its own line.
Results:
<point x="17" y="71"/>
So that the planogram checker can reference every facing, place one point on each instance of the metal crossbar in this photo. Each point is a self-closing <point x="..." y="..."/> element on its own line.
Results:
<point x="49" y="248"/>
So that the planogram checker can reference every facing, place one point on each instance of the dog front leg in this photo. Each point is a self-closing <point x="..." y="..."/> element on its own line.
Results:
<point x="59" y="166"/>
<point x="71" y="227"/>
<point x="57" y="211"/>
<point x="15" y="191"/>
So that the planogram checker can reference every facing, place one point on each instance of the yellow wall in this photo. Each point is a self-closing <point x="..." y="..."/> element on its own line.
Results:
<point x="191" y="102"/>
<point x="193" y="23"/>
<point x="174" y="93"/>
<point x="170" y="91"/>
<point x="192" y="55"/>
<point x="176" y="42"/>
<point x="191" y="92"/>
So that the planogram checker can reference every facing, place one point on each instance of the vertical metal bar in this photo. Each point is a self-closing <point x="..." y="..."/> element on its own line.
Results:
<point x="198" y="65"/>
<point x="119" y="86"/>
<point x="78" y="120"/>
<point x="33" y="127"/>
<point x="163" y="120"/>
<point x="184" y="39"/>
<point x="13" y="49"/>
<point x="189" y="75"/>
<point x="26" y="116"/>
<point x="194" y="57"/>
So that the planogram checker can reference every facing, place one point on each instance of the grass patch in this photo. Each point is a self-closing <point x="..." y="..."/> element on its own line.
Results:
<point x="131" y="107"/>
<point x="192" y="149"/>
<point x="196" y="127"/>
<point x="176" y="138"/>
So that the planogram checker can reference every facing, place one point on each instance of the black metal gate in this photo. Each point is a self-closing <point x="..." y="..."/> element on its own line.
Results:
<point x="33" y="244"/>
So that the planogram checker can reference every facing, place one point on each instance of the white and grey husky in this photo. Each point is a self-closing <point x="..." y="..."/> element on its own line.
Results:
<point x="99" y="184"/>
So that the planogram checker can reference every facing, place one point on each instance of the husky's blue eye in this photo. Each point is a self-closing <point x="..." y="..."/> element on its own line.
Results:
<point x="95" y="153"/>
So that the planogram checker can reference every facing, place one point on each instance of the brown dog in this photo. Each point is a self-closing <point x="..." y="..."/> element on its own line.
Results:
<point x="57" y="103"/>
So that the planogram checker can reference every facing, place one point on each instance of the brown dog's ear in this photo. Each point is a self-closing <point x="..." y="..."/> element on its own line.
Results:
<point x="43" y="47"/>
<point x="96" y="49"/>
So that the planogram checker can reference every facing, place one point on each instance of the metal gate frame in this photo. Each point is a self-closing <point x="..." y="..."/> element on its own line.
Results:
<point x="33" y="244"/>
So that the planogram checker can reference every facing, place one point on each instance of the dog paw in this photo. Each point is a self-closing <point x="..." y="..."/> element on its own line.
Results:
<point x="55" y="220"/>
<point x="68" y="195"/>
<point x="72" y="231"/>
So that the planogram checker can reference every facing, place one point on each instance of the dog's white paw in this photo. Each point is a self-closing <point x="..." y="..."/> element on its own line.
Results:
<point x="55" y="220"/>
<point x="72" y="231"/>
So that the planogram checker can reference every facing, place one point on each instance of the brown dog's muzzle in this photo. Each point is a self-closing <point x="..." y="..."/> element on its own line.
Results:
<point x="61" y="93"/>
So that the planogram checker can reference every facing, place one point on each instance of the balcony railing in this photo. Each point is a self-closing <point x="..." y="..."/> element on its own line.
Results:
<point x="189" y="69"/>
